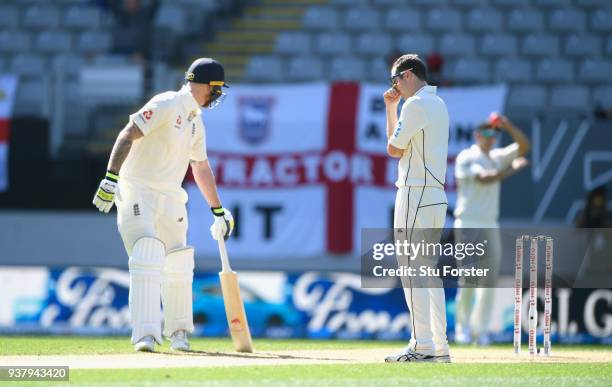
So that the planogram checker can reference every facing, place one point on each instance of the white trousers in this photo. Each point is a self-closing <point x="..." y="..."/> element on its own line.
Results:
<point x="143" y="213"/>
<point x="422" y="208"/>
<point x="473" y="305"/>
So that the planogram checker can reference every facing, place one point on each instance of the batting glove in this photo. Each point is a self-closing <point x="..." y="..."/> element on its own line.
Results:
<point x="223" y="225"/>
<point x="105" y="195"/>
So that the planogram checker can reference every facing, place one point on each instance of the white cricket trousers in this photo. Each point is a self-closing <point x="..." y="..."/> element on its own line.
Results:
<point x="473" y="305"/>
<point x="418" y="207"/>
<point x="142" y="212"/>
<point x="153" y="227"/>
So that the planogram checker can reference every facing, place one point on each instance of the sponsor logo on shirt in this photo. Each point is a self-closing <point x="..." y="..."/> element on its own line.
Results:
<point x="178" y="122"/>
<point x="147" y="114"/>
<point x="398" y="129"/>
<point x="193" y="129"/>
<point x="192" y="115"/>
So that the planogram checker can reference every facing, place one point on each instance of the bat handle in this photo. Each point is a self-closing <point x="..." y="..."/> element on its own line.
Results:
<point x="225" y="265"/>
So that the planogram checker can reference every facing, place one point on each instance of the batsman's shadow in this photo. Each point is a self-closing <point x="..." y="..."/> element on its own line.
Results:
<point x="254" y="355"/>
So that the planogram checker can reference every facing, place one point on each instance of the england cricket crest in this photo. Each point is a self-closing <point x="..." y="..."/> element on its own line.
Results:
<point x="255" y="115"/>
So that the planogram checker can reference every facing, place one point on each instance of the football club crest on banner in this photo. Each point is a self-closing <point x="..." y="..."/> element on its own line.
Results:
<point x="255" y="115"/>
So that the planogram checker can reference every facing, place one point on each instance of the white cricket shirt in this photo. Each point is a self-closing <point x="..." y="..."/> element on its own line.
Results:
<point x="422" y="131"/>
<point x="173" y="134"/>
<point x="478" y="203"/>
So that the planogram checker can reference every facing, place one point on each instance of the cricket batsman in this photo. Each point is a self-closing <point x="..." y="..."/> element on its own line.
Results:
<point x="419" y="138"/>
<point x="479" y="170"/>
<point x="146" y="168"/>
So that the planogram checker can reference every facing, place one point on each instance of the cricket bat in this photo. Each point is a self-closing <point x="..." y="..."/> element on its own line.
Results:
<point x="234" y="307"/>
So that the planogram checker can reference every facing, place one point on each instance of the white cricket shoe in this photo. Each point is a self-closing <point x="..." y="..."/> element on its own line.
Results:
<point x="442" y="353"/>
<point x="410" y="356"/>
<point x="462" y="337"/>
<point x="145" y="344"/>
<point x="179" y="342"/>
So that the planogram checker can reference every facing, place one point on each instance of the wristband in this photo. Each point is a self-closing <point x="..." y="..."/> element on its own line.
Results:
<point x="217" y="211"/>
<point x="112" y="176"/>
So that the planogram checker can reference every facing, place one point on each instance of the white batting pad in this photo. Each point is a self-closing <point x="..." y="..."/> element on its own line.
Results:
<point x="146" y="264"/>
<point x="177" y="292"/>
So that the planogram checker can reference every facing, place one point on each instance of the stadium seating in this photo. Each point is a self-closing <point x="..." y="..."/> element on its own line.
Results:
<point x="82" y="18"/>
<point x="582" y="46"/>
<point x="443" y="20"/>
<point x="466" y="70"/>
<point x="373" y="44"/>
<point x="357" y="19"/>
<point x="402" y="20"/>
<point x="321" y="19"/>
<point x="28" y="65"/>
<point x="50" y="42"/>
<point x="331" y="44"/>
<point x="305" y="69"/>
<point x="554" y="71"/>
<point x="525" y="20"/>
<point x="540" y="48"/>
<point x="513" y="70"/>
<point x="595" y="71"/>
<point x="347" y="68"/>
<point x="9" y="16"/>
<point x="420" y="43"/>
<point x="526" y="100"/>
<point x="456" y="45"/>
<point x="14" y="41"/>
<point x="568" y="100"/>
<point x="602" y="95"/>
<point x="496" y="46"/>
<point x="264" y="69"/>
<point x="484" y="20"/>
<point x="567" y="20"/>
<point x="41" y="17"/>
<point x="293" y="43"/>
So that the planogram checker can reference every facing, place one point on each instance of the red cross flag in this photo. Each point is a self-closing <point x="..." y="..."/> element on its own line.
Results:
<point x="303" y="167"/>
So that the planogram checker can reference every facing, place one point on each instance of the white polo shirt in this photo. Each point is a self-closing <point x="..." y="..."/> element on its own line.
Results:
<point x="478" y="203"/>
<point x="422" y="131"/>
<point x="173" y="134"/>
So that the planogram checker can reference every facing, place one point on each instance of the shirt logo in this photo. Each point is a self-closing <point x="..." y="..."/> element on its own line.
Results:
<point x="193" y="129"/>
<point x="178" y="122"/>
<point x="192" y="115"/>
<point x="397" y="130"/>
<point x="147" y="114"/>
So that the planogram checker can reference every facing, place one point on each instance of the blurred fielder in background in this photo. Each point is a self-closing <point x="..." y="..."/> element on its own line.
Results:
<point x="420" y="140"/>
<point x="479" y="171"/>
<point x="146" y="169"/>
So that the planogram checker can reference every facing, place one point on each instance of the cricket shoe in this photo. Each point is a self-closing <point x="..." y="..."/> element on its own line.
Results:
<point x="179" y="342"/>
<point x="410" y="356"/>
<point x="145" y="344"/>
<point x="442" y="353"/>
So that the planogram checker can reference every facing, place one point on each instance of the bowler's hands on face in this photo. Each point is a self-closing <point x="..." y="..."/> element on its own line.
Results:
<point x="391" y="97"/>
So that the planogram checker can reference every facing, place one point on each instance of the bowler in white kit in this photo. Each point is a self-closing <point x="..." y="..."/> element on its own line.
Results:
<point x="479" y="171"/>
<point x="419" y="138"/>
<point x="146" y="169"/>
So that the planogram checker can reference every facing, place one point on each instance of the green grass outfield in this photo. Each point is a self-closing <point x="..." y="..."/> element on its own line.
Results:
<point x="339" y="375"/>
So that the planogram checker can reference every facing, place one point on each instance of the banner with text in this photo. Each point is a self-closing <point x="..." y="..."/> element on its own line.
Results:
<point x="303" y="168"/>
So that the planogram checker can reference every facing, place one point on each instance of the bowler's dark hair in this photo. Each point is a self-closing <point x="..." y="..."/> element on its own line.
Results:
<point x="413" y="62"/>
